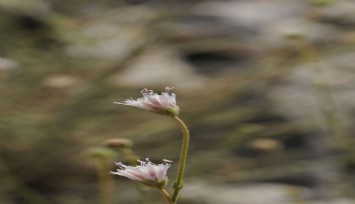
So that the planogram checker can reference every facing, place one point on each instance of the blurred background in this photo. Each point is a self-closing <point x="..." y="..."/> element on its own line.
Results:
<point x="265" y="86"/>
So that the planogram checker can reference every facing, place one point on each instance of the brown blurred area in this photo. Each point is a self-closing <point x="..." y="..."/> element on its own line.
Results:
<point x="265" y="86"/>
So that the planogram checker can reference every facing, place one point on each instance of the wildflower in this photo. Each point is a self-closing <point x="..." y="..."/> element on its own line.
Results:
<point x="164" y="104"/>
<point x="147" y="172"/>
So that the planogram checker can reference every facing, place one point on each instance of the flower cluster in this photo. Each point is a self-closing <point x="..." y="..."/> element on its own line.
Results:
<point x="147" y="172"/>
<point x="164" y="104"/>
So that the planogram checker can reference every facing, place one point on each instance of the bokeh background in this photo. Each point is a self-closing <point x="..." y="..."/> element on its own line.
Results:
<point x="265" y="86"/>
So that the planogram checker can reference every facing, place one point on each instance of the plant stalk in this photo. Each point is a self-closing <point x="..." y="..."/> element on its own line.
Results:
<point x="166" y="195"/>
<point x="183" y="156"/>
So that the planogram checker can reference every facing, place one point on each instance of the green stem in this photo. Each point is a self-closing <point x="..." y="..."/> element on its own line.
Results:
<point x="130" y="155"/>
<point x="106" y="184"/>
<point x="166" y="195"/>
<point x="182" y="161"/>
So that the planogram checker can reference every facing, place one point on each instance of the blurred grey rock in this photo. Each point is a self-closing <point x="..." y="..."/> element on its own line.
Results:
<point x="109" y="36"/>
<point x="252" y="193"/>
<point x="276" y="34"/>
<point x="30" y="7"/>
<point x="253" y="14"/>
<point x="269" y="22"/>
<point x="6" y="64"/>
<point x="211" y="193"/>
<point x="309" y="88"/>
<point x="160" y="67"/>
<point x="103" y="40"/>
<point x="340" y="11"/>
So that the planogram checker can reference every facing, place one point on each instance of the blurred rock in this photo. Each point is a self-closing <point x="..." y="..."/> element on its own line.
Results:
<point x="309" y="88"/>
<point x="254" y="17"/>
<point x="110" y="36"/>
<point x="340" y="12"/>
<point x="253" y="14"/>
<point x="30" y="7"/>
<point x="6" y="64"/>
<point x="102" y="40"/>
<point x="159" y="67"/>
<point x="208" y="193"/>
<point x="255" y="193"/>
<point x="276" y="35"/>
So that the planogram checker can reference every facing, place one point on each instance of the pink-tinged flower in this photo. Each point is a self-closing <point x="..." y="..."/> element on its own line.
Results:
<point x="147" y="172"/>
<point x="164" y="104"/>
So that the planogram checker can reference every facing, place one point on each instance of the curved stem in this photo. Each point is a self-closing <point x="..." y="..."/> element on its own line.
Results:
<point x="182" y="161"/>
<point x="166" y="195"/>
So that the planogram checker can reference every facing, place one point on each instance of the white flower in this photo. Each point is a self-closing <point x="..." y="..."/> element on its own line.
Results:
<point x="164" y="104"/>
<point x="147" y="172"/>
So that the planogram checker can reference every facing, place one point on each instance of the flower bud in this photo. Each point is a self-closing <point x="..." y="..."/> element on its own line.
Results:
<point x="118" y="143"/>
